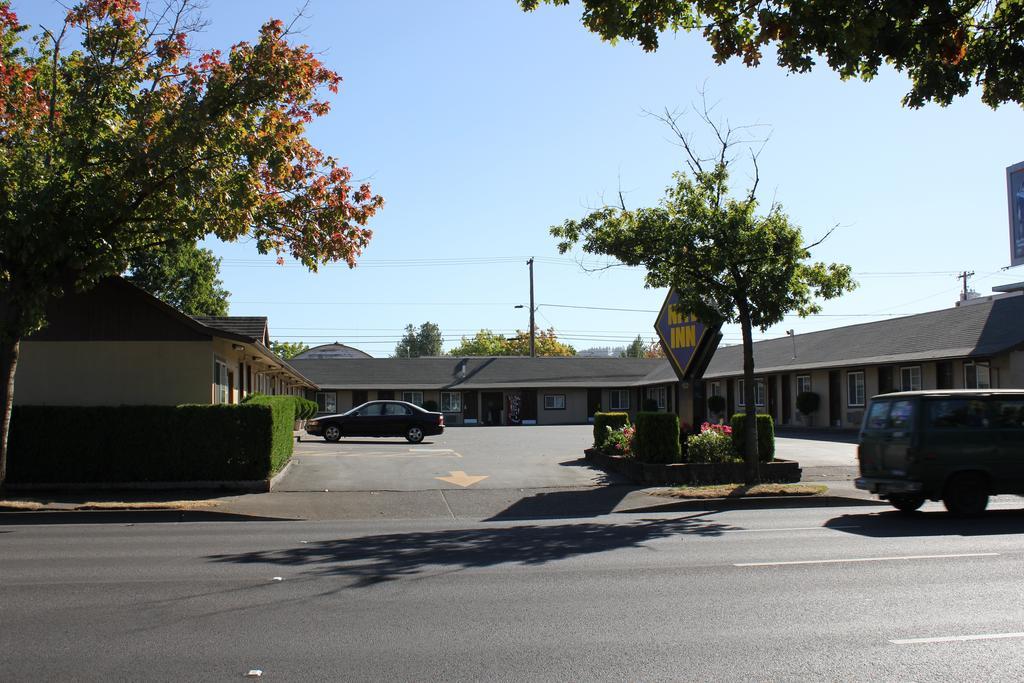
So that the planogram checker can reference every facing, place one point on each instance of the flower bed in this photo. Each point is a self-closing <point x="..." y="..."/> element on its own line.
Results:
<point x="657" y="474"/>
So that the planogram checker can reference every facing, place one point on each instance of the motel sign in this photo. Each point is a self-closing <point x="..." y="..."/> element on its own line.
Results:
<point x="686" y="340"/>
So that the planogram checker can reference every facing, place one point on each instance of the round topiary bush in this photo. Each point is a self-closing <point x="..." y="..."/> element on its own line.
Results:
<point x="431" y="405"/>
<point x="807" y="402"/>
<point x="716" y="404"/>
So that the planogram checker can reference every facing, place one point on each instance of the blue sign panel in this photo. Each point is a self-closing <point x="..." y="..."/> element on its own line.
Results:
<point x="682" y="336"/>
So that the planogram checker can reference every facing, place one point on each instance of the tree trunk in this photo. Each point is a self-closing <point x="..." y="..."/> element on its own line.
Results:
<point x="8" y="365"/>
<point x="751" y="459"/>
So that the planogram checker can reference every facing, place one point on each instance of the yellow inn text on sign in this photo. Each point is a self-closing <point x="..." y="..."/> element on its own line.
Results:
<point x="682" y="329"/>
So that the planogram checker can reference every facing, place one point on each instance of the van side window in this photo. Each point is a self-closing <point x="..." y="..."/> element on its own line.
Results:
<point x="901" y="415"/>
<point x="957" y="413"/>
<point x="1008" y="414"/>
<point x="878" y="416"/>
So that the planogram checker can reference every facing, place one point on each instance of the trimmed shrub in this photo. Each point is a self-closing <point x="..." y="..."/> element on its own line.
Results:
<point x="284" y="411"/>
<point x="603" y="422"/>
<point x="51" y="444"/>
<point x="307" y="409"/>
<point x="765" y="436"/>
<point x="807" y="402"/>
<point x="716" y="404"/>
<point x="650" y="405"/>
<point x="430" y="404"/>
<point x="657" y="437"/>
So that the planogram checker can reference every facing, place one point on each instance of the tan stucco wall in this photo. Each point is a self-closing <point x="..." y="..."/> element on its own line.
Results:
<point x="575" y="407"/>
<point x="114" y="373"/>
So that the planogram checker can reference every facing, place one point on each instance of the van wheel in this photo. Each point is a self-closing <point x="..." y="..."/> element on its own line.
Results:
<point x="906" y="503"/>
<point x="966" y="495"/>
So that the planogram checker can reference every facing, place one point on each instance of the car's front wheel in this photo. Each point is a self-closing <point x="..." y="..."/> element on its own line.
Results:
<point x="332" y="433"/>
<point x="906" y="503"/>
<point x="414" y="434"/>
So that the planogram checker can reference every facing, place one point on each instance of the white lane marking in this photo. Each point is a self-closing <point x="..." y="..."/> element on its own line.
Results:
<point x="862" y="559"/>
<point x="792" y="528"/>
<point x="953" y="639"/>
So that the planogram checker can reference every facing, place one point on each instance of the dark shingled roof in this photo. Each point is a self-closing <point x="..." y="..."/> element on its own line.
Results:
<point x="481" y="373"/>
<point x="252" y="326"/>
<point x="974" y="329"/>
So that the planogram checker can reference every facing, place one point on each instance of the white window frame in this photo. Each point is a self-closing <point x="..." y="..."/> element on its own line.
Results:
<point x="615" y="397"/>
<point x="803" y="384"/>
<point x="220" y="381"/>
<point x="557" y="402"/>
<point x="910" y="378"/>
<point x="659" y="396"/>
<point x="453" y="404"/>
<point x="760" y="392"/>
<point x="858" y="389"/>
<point x="974" y="366"/>
<point x="715" y="388"/>
<point x="741" y="395"/>
<point x="324" y="405"/>
<point x="413" y="397"/>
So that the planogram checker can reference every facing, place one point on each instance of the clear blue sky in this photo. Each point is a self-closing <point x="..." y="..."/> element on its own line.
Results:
<point x="482" y="126"/>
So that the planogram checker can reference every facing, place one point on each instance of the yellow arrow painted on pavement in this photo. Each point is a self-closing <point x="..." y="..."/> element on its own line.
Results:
<point x="460" y="478"/>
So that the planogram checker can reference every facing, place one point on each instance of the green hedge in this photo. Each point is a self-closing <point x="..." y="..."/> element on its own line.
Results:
<point x="284" y="410"/>
<point x="602" y="421"/>
<point x="657" y="438"/>
<point x="51" y="444"/>
<point x="765" y="436"/>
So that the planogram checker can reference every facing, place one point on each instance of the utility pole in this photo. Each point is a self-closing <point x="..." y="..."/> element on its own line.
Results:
<point x="963" y="276"/>
<point x="533" y="327"/>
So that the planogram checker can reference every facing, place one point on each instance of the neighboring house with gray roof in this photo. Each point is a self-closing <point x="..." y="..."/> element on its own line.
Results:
<point x="977" y="344"/>
<point x="496" y="390"/>
<point x="335" y="350"/>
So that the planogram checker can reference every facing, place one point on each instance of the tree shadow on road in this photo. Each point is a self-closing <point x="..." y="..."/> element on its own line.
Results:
<point x="371" y="560"/>
<point x="895" y="524"/>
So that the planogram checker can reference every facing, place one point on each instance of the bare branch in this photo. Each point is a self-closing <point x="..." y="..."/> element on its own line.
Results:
<point x="827" y="234"/>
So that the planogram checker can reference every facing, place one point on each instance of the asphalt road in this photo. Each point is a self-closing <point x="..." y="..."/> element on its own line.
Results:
<point x="732" y="594"/>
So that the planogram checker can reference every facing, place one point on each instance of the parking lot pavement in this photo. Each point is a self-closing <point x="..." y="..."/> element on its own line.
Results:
<point x="462" y="457"/>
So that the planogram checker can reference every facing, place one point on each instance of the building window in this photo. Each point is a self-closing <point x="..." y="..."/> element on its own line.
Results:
<point x="451" y="401"/>
<point x="327" y="401"/>
<point x="977" y="375"/>
<point x="759" y="392"/>
<point x="803" y="384"/>
<point x="656" y="394"/>
<point x="414" y="397"/>
<point x="910" y="378"/>
<point x="220" y="381"/>
<point x="715" y="389"/>
<point x="618" y="399"/>
<point x="554" y="401"/>
<point x="855" y="389"/>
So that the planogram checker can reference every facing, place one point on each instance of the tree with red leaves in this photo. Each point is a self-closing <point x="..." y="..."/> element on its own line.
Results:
<point x="126" y="140"/>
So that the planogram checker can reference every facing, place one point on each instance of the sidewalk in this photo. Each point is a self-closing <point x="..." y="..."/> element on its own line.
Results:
<point x="475" y="504"/>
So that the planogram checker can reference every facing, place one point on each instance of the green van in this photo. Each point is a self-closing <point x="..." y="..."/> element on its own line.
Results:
<point x="959" y="447"/>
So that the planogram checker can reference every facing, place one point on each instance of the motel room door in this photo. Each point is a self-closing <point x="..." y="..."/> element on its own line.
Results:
<point x="835" y="408"/>
<point x="491" y="404"/>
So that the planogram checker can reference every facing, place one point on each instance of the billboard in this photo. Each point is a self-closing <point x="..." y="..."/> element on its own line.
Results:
<point x="1015" y="196"/>
<point x="688" y="342"/>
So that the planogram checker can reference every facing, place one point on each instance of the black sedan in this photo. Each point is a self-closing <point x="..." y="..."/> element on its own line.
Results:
<point x="379" y="418"/>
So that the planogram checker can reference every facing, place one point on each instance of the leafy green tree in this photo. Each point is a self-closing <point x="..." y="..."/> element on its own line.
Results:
<point x="487" y="343"/>
<point x="287" y="350"/>
<point x="183" y="275"/>
<point x="635" y="349"/>
<point x="728" y="262"/>
<point x="425" y="341"/>
<point x="945" y="46"/>
<point x="483" y="343"/>
<point x="130" y="141"/>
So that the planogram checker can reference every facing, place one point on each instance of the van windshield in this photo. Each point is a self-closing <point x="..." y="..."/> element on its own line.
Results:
<point x="878" y="416"/>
